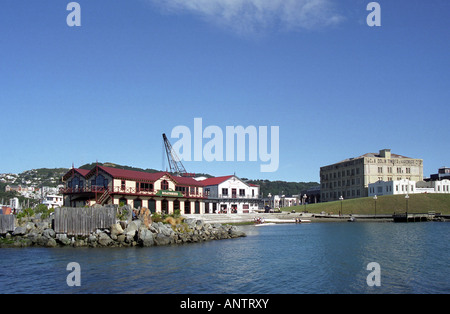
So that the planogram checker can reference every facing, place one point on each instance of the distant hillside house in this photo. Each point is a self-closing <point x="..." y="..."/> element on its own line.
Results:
<point x="160" y="192"/>
<point x="229" y="194"/>
<point x="350" y="178"/>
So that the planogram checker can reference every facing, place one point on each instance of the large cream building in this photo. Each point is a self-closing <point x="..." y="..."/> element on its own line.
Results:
<point x="351" y="177"/>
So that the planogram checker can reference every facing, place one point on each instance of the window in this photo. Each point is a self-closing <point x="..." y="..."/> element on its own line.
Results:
<point x="380" y="169"/>
<point x="225" y="192"/>
<point x="137" y="203"/>
<point x="164" y="185"/>
<point x="187" y="207"/>
<point x="122" y="185"/>
<point x="241" y="192"/>
<point x="399" y="170"/>
<point x="146" y="187"/>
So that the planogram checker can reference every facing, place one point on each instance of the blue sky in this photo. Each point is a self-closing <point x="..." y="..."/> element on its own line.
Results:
<point x="135" y="69"/>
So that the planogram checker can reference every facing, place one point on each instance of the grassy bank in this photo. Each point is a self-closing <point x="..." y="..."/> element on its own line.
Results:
<point x="419" y="203"/>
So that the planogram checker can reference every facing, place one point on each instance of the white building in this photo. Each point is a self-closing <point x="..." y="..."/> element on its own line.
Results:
<point x="408" y="187"/>
<point x="229" y="194"/>
<point x="52" y="201"/>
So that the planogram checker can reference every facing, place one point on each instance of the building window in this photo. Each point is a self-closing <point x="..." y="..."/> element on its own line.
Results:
<point x="225" y="192"/>
<point x="241" y="192"/>
<point x="137" y="203"/>
<point x="164" y="185"/>
<point x="187" y="207"/>
<point x="380" y="169"/>
<point x="152" y="206"/>
<point x="122" y="185"/>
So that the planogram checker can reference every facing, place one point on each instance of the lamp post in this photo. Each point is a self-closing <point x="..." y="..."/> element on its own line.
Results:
<point x="270" y="199"/>
<point x="341" y="199"/>
<point x="406" y="198"/>
<point x="304" y="200"/>
<point x="375" y="199"/>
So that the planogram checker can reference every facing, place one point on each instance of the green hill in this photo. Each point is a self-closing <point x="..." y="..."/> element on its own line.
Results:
<point x="417" y="203"/>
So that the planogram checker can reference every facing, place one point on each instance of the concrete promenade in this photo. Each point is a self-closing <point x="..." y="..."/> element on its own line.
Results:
<point x="283" y="217"/>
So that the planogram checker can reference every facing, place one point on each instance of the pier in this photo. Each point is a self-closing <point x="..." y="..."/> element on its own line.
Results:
<point x="413" y="217"/>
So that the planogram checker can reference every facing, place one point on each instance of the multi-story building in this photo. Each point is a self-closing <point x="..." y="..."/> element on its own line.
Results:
<point x="229" y="194"/>
<point x="160" y="192"/>
<point x="351" y="177"/>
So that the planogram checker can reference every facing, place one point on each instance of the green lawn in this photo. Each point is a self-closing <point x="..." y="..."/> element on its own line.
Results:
<point x="418" y="203"/>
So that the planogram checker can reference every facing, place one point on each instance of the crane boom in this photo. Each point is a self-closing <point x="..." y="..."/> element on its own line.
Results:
<point x="175" y="164"/>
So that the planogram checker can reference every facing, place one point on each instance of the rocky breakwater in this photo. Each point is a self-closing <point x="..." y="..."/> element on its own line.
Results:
<point x="134" y="234"/>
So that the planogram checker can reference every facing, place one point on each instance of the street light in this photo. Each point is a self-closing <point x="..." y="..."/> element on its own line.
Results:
<point x="341" y="199"/>
<point x="270" y="200"/>
<point x="375" y="199"/>
<point x="304" y="200"/>
<point x="407" y="198"/>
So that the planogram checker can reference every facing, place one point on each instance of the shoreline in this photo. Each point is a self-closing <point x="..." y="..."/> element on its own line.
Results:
<point x="280" y="218"/>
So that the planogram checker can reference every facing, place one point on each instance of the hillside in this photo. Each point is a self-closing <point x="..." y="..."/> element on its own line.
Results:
<point x="417" y="203"/>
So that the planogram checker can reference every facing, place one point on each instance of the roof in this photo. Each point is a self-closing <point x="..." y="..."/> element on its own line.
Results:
<point x="143" y="176"/>
<point x="215" y="180"/>
<point x="71" y="172"/>
<point x="374" y="155"/>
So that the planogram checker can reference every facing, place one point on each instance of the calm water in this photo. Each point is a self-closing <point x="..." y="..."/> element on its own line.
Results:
<point x="307" y="258"/>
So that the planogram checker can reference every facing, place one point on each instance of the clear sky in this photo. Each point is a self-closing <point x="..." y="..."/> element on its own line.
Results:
<point x="135" y="69"/>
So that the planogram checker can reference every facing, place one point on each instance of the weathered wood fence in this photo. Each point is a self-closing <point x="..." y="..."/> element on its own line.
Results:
<point x="83" y="221"/>
<point x="6" y="223"/>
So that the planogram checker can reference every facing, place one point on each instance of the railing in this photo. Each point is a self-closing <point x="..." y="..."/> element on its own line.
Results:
<point x="233" y="196"/>
<point x="129" y="190"/>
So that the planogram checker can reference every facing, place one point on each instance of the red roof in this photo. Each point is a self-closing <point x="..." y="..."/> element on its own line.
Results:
<point x="215" y="181"/>
<point x="143" y="176"/>
<point x="71" y="172"/>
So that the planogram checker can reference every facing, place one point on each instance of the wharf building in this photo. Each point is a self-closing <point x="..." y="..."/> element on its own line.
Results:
<point x="351" y="177"/>
<point x="160" y="192"/>
<point x="230" y="195"/>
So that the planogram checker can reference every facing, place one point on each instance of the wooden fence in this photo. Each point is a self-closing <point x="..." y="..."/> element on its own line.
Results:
<point x="6" y="223"/>
<point x="83" y="221"/>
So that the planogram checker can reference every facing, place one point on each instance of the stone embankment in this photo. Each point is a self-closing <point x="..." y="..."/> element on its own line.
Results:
<point x="136" y="233"/>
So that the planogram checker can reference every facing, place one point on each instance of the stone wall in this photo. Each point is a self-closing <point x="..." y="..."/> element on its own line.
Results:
<point x="39" y="232"/>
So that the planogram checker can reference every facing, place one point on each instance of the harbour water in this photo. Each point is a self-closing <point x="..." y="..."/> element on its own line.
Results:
<point x="280" y="259"/>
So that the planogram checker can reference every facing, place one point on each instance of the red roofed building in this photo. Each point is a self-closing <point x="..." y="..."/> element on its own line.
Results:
<point x="229" y="194"/>
<point x="160" y="192"/>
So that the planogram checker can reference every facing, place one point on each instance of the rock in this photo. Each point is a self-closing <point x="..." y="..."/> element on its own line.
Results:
<point x="161" y="239"/>
<point x="104" y="239"/>
<point x="49" y="233"/>
<point x="51" y="243"/>
<point x="145" y="216"/>
<point x="63" y="239"/>
<point x="145" y="237"/>
<point x="29" y="226"/>
<point x="20" y="231"/>
<point x="132" y="228"/>
<point x="116" y="229"/>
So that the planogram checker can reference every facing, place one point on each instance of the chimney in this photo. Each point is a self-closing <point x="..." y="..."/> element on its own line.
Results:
<point x="385" y="153"/>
